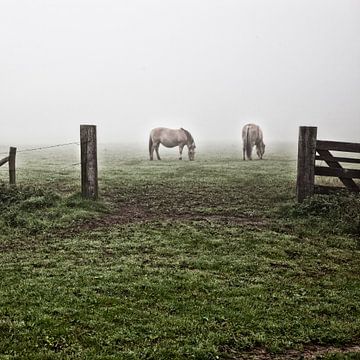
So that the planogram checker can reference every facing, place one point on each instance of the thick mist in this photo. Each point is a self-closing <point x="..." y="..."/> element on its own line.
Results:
<point x="209" y="66"/>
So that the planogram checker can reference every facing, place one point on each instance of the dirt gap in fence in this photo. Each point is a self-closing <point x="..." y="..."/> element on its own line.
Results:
<point x="128" y="214"/>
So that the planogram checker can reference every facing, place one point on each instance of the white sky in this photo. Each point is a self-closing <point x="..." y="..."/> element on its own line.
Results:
<point x="207" y="65"/>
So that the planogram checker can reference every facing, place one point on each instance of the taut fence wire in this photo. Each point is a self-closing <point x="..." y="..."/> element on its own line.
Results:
<point x="45" y="147"/>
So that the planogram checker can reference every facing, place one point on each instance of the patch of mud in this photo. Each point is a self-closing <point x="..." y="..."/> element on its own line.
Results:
<point x="136" y="214"/>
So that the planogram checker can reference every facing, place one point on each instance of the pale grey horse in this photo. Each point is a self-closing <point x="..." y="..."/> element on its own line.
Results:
<point x="252" y="136"/>
<point x="171" y="138"/>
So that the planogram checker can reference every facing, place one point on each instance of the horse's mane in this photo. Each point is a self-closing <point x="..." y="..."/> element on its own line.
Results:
<point x="188" y="135"/>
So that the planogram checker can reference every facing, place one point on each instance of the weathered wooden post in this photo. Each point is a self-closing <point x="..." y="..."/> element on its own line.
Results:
<point x="306" y="162"/>
<point x="89" y="171"/>
<point x="12" y="169"/>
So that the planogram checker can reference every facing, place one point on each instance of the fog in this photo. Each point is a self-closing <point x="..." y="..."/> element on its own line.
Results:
<point x="206" y="65"/>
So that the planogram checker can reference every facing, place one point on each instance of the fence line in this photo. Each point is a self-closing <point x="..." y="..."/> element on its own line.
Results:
<point x="42" y="166"/>
<point x="88" y="155"/>
<point x="45" y="147"/>
<point x="10" y="159"/>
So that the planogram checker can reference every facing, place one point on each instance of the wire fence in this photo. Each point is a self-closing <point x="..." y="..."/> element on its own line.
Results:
<point x="59" y="167"/>
<point x="58" y="162"/>
<point x="43" y="147"/>
<point x="54" y="168"/>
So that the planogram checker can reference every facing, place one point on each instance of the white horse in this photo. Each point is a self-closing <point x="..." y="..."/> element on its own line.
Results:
<point x="251" y="136"/>
<point x="171" y="138"/>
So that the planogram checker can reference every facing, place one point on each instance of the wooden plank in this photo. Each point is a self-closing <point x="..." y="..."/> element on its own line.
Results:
<point x="4" y="161"/>
<point x="340" y="173"/>
<point x="337" y="146"/>
<point x="349" y="183"/>
<point x="306" y="161"/>
<point x="336" y="158"/>
<point x="89" y="169"/>
<point x="320" y="189"/>
<point x="12" y="169"/>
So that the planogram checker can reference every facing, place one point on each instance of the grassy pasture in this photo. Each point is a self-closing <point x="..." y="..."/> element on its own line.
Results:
<point x="209" y="259"/>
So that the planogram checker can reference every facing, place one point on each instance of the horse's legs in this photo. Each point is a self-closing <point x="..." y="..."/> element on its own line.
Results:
<point x="244" y="152"/>
<point x="154" y="146"/>
<point x="152" y="152"/>
<point x="258" y="152"/>
<point x="181" y="147"/>
<point x="157" y="151"/>
<point x="251" y="152"/>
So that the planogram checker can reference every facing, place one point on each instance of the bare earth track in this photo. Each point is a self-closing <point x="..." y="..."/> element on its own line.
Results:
<point x="135" y="214"/>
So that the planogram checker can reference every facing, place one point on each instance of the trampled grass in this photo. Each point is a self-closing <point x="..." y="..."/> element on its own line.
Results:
<point x="206" y="259"/>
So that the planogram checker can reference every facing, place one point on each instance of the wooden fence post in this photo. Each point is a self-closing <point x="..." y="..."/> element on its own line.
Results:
<point x="12" y="169"/>
<point x="89" y="171"/>
<point x="306" y="162"/>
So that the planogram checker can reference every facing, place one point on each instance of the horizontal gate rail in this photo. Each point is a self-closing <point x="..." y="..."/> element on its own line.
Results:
<point x="337" y="158"/>
<point x="340" y="173"/>
<point x="311" y="150"/>
<point x="337" y="146"/>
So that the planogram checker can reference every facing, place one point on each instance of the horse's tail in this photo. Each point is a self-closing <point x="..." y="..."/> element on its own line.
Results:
<point x="150" y="144"/>
<point x="248" y="143"/>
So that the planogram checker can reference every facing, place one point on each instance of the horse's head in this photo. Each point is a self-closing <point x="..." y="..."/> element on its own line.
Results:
<point x="260" y="149"/>
<point x="191" y="152"/>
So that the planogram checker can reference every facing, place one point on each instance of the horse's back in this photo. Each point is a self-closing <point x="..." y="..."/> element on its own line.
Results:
<point x="167" y="137"/>
<point x="158" y="132"/>
<point x="252" y="132"/>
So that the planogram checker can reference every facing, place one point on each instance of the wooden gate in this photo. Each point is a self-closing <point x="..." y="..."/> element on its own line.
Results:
<point x="309" y="150"/>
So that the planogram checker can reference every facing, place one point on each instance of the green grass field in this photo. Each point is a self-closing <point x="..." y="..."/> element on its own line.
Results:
<point x="211" y="259"/>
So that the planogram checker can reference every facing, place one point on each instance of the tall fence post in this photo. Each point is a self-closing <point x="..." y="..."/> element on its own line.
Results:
<point x="89" y="171"/>
<point x="12" y="168"/>
<point x="306" y="162"/>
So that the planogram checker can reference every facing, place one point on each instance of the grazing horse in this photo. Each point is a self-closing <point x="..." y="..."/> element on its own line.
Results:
<point x="171" y="138"/>
<point x="252" y="135"/>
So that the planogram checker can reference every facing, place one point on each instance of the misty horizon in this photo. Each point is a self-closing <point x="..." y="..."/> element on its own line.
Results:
<point x="207" y="66"/>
